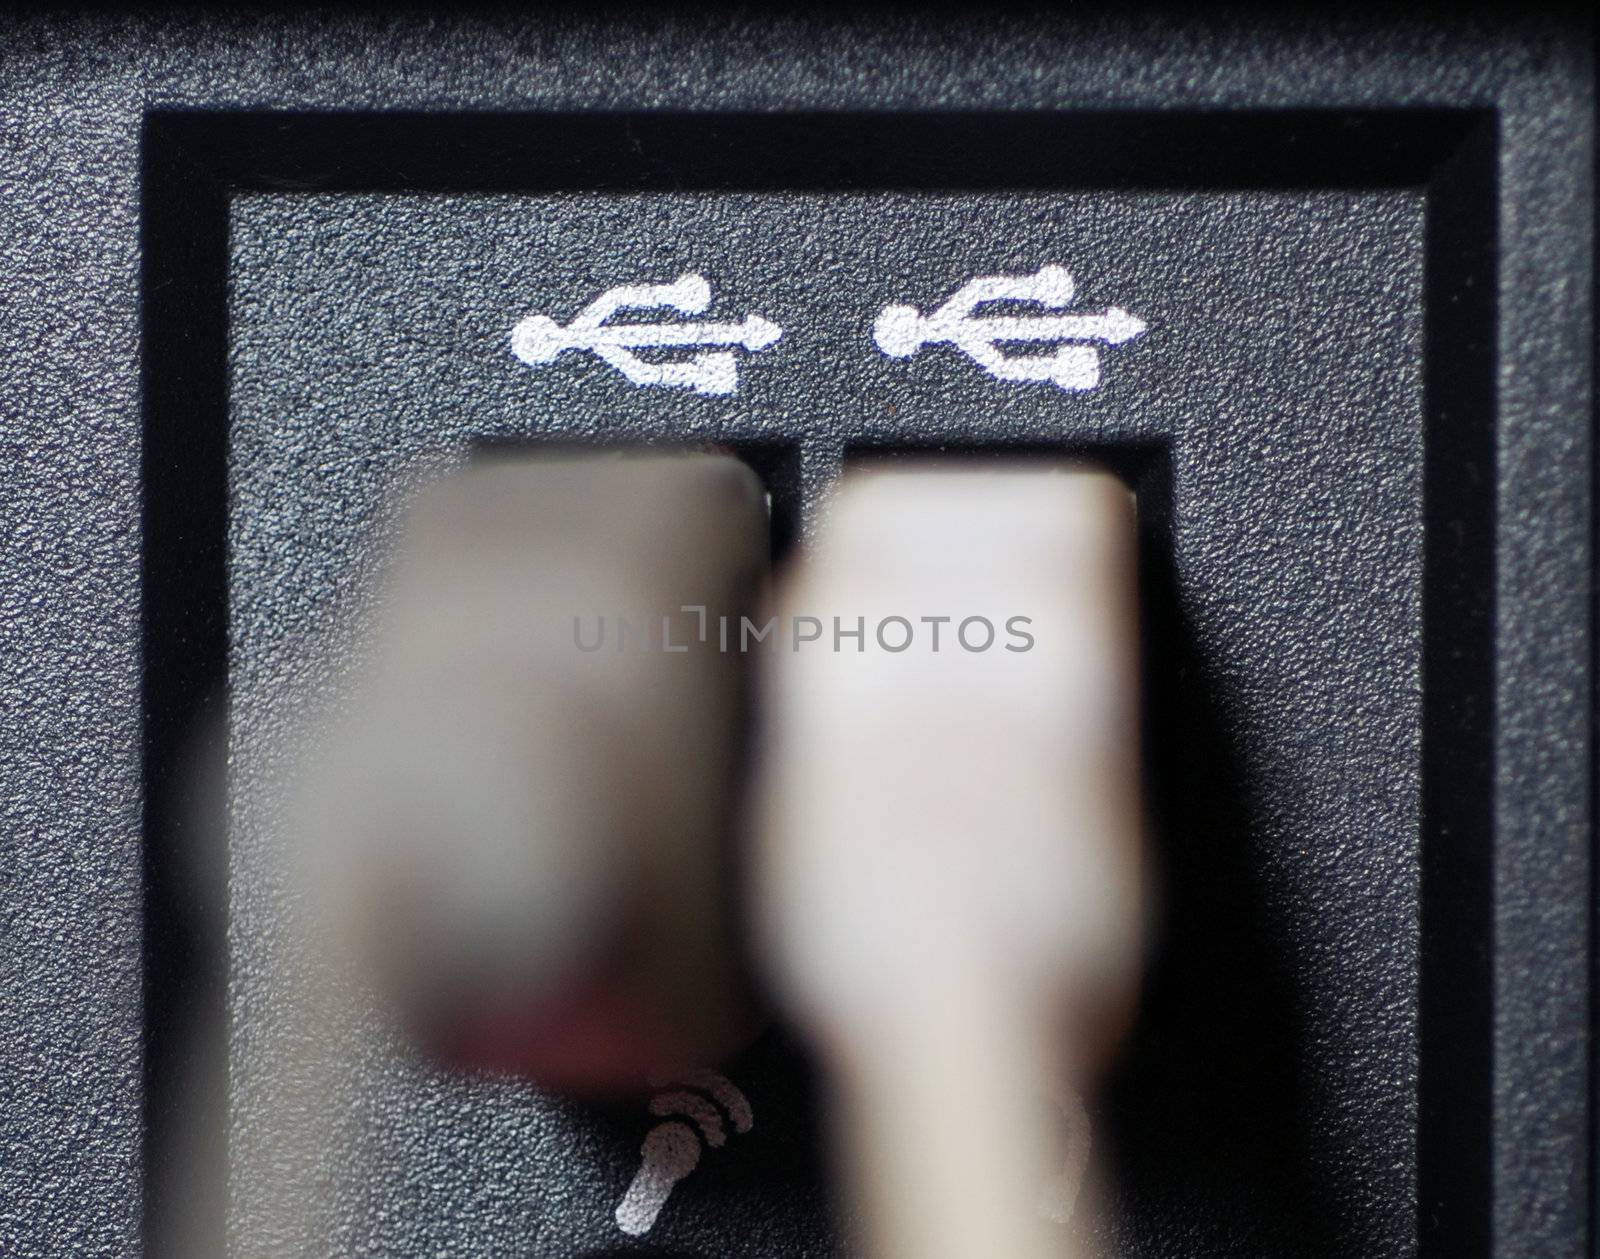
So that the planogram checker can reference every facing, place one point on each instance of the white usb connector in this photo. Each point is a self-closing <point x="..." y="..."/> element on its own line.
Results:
<point x="950" y="882"/>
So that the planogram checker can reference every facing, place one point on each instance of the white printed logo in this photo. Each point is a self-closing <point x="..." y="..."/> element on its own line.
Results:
<point x="671" y="1150"/>
<point x="538" y="339"/>
<point x="901" y="331"/>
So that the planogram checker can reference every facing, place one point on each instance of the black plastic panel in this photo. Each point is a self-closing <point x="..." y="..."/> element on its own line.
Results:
<point x="1360" y="426"/>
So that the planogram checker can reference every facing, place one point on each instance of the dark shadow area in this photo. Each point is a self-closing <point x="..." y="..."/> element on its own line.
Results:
<point x="668" y="151"/>
<point x="1455" y="1139"/>
<point x="1209" y="1111"/>
<point x="777" y="463"/>
<point x="1136" y="462"/>
<point x="184" y="281"/>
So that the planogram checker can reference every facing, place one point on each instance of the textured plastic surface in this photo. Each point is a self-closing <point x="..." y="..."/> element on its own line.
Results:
<point x="1356" y="415"/>
<point x="379" y="324"/>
